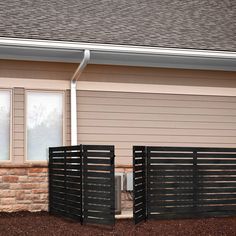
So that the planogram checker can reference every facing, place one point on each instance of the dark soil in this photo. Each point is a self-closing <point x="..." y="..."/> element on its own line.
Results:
<point x="36" y="224"/>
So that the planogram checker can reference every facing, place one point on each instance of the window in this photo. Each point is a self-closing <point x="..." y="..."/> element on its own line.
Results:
<point x="44" y="123"/>
<point x="5" y="120"/>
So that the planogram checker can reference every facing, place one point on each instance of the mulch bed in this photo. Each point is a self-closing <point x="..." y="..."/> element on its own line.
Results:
<point x="36" y="224"/>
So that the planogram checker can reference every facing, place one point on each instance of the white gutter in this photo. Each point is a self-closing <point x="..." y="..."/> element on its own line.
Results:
<point x="62" y="51"/>
<point x="73" y="96"/>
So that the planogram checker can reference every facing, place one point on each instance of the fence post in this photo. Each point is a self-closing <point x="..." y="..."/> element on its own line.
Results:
<point x="147" y="183"/>
<point x="50" y="182"/>
<point x="81" y="185"/>
<point x="195" y="180"/>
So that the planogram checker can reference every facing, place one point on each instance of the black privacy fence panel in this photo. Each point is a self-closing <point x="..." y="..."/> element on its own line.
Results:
<point x="139" y="182"/>
<point x="190" y="182"/>
<point x="99" y="185"/>
<point x="81" y="183"/>
<point x="65" y="182"/>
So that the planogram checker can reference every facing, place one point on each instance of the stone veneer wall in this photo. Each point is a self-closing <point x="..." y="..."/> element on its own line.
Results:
<point x="26" y="189"/>
<point x="23" y="189"/>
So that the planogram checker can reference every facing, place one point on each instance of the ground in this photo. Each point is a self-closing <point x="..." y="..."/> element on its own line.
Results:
<point x="36" y="224"/>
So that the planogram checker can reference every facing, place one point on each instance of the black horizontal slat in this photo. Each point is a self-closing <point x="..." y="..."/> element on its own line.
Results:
<point x="216" y="155"/>
<point x="139" y="161"/>
<point x="175" y="209"/>
<point x="98" y="167"/>
<point x="98" y="174"/>
<point x="98" y="214"/>
<point x="97" y="207"/>
<point x="64" y="154"/>
<point x="171" y="179"/>
<point x="216" y="167"/>
<point x="139" y="217"/>
<point x="140" y="200"/>
<point x="173" y="161"/>
<point x="98" y="161"/>
<point x="139" y="174"/>
<point x="173" y="154"/>
<point x="65" y="167"/>
<point x="154" y="198"/>
<point x="170" y="185"/>
<point x="67" y="160"/>
<point x="139" y="154"/>
<point x="170" y="167"/>
<point x="98" y="147"/>
<point x="98" y="154"/>
<point x="95" y="221"/>
<point x="216" y="161"/>
<point x="216" y="201"/>
<point x="217" y="196"/>
<point x="93" y="205"/>
<point x="190" y="149"/>
<point x="216" y="184"/>
<point x="63" y="191"/>
<point x="98" y="181"/>
<point x="139" y="181"/>
<point x="68" y="172"/>
<point x="67" y="178"/>
<point x="140" y="206"/>
<point x="216" y="178"/>
<point x="105" y="202"/>
<point x="139" y="168"/>
<point x="139" y="193"/>
<point x="67" y="203"/>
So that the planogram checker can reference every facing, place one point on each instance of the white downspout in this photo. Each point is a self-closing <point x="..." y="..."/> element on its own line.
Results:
<point x="73" y="96"/>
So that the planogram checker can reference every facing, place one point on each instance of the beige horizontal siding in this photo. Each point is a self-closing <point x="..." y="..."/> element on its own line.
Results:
<point x="18" y="125"/>
<point x="127" y="119"/>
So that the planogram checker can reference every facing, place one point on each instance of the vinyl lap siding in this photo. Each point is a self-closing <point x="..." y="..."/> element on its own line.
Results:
<point x="18" y="124"/>
<point x="127" y="119"/>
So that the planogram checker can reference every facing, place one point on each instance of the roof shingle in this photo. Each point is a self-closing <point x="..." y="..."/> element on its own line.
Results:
<point x="199" y="24"/>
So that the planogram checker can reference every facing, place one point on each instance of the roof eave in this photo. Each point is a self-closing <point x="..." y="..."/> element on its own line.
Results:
<point x="72" y="52"/>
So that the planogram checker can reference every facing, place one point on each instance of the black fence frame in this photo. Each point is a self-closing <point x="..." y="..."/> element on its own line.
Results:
<point x="82" y="183"/>
<point x="171" y="173"/>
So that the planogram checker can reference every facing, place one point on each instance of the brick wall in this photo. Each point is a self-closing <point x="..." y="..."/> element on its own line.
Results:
<point x="26" y="189"/>
<point x="23" y="189"/>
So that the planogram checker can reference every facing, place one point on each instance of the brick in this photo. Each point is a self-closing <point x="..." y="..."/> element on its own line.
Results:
<point x="23" y="179"/>
<point x="6" y="208"/>
<point x="7" y="193"/>
<point x="38" y="191"/>
<point x="37" y="170"/>
<point x="38" y="179"/>
<point x="36" y="207"/>
<point x="18" y="171"/>
<point x="7" y="201"/>
<point x="3" y="171"/>
<point x="29" y="185"/>
<point x="10" y="179"/>
<point x="15" y="186"/>
<point x="21" y="207"/>
<point x="4" y="186"/>
<point x="20" y="195"/>
<point x="44" y="197"/>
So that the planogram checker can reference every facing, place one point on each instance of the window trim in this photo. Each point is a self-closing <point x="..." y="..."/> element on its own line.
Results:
<point x="11" y="126"/>
<point x="62" y="92"/>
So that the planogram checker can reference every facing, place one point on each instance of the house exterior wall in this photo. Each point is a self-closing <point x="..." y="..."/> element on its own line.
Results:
<point x="120" y="118"/>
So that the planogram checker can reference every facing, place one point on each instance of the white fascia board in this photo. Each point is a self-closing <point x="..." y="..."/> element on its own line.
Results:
<point x="72" y="52"/>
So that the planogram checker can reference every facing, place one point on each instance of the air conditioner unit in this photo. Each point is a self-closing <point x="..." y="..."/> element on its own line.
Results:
<point x="117" y="194"/>
<point x="129" y="181"/>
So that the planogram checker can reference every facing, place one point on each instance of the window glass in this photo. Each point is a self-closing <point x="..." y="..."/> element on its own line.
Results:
<point x="5" y="117"/>
<point x="44" y="123"/>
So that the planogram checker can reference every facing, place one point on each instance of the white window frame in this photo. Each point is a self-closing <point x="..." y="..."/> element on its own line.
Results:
<point x="11" y="126"/>
<point x="26" y="160"/>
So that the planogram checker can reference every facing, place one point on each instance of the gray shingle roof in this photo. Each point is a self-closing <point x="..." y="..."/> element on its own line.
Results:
<point x="201" y="24"/>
